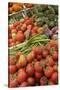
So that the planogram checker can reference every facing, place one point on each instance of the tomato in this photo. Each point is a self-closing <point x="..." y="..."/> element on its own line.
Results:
<point x="39" y="57"/>
<point x="11" y="27"/>
<point x="48" y="71"/>
<point x="16" y="24"/>
<point x="54" y="77"/>
<point x="55" y="56"/>
<point x="12" y="44"/>
<point x="20" y="36"/>
<point x="22" y="76"/>
<point x="12" y="60"/>
<point x="28" y="21"/>
<point x="31" y="81"/>
<point x="37" y="50"/>
<point x="13" y="31"/>
<point x="30" y="57"/>
<point x="29" y="27"/>
<point x="42" y="63"/>
<point x="55" y="67"/>
<point x="38" y="75"/>
<point x="12" y="69"/>
<point x="38" y="66"/>
<point x="43" y="80"/>
<point x="30" y="70"/>
<point x="21" y="61"/>
<point x="24" y="27"/>
<point x="10" y="41"/>
<point x="26" y="18"/>
<point x="49" y="61"/>
<point x="48" y="48"/>
<point x="24" y="84"/>
<point x="13" y="83"/>
<point x="45" y="53"/>
<point x="18" y="55"/>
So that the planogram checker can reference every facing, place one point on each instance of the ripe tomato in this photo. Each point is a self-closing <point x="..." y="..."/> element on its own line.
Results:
<point x="54" y="77"/>
<point x="45" y="53"/>
<point x="43" y="80"/>
<point x="38" y="66"/>
<point x="49" y="61"/>
<point x="55" y="67"/>
<point x="22" y="76"/>
<point x="37" y="50"/>
<point x="12" y="69"/>
<point x="39" y="57"/>
<point x="30" y="70"/>
<point x="48" y="71"/>
<point x="18" y="55"/>
<point x="28" y="21"/>
<point x="31" y="81"/>
<point x="16" y="24"/>
<point x="30" y="57"/>
<point x="20" y="36"/>
<point x="55" y="56"/>
<point x="21" y="61"/>
<point x="38" y="75"/>
<point x="12" y="83"/>
<point x="12" y="60"/>
<point x="24" y="27"/>
<point x="13" y="31"/>
<point x="29" y="27"/>
<point x="24" y="84"/>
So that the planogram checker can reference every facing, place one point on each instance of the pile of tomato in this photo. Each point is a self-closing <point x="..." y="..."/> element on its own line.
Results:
<point x="39" y="67"/>
<point x="22" y="30"/>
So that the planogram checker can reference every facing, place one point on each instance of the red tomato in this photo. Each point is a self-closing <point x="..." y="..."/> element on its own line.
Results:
<point x="55" y="56"/>
<point x="30" y="70"/>
<point x="37" y="50"/>
<point x="20" y="36"/>
<point x="24" y="27"/>
<point x="49" y="61"/>
<point x="31" y="81"/>
<point x="22" y="76"/>
<point x="16" y="24"/>
<point x="24" y="84"/>
<point x="54" y="77"/>
<point x="30" y="57"/>
<point x="12" y="60"/>
<point x="29" y="27"/>
<point x="12" y="69"/>
<point x="39" y="57"/>
<point x="11" y="27"/>
<point x="28" y="21"/>
<point x="45" y="53"/>
<point x="38" y="75"/>
<point x="18" y="55"/>
<point x="10" y="41"/>
<point x="38" y="67"/>
<point x="13" y="31"/>
<point x="48" y="71"/>
<point x="43" y="80"/>
<point x="13" y="83"/>
<point x="55" y="67"/>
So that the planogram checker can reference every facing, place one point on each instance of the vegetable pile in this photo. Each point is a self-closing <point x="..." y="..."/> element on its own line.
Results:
<point x="39" y="67"/>
<point x="32" y="45"/>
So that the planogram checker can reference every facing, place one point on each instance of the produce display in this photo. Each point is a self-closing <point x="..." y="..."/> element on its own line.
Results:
<point x="15" y="7"/>
<point x="39" y="67"/>
<point x="32" y="45"/>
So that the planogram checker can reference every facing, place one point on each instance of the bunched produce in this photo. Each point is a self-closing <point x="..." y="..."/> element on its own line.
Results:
<point x="32" y="45"/>
<point x="39" y="67"/>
